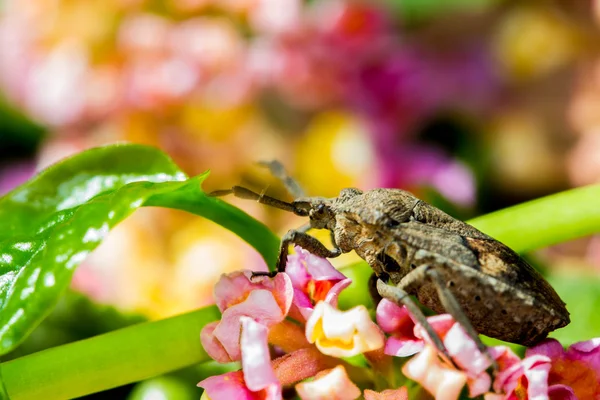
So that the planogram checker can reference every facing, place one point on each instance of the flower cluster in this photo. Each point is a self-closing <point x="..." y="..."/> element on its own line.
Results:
<point x="287" y="331"/>
<point x="255" y="314"/>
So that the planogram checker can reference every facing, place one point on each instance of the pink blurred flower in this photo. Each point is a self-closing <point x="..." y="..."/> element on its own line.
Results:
<point x="314" y="279"/>
<point x="15" y="174"/>
<point x="266" y="300"/>
<point x="333" y="384"/>
<point x="575" y="370"/>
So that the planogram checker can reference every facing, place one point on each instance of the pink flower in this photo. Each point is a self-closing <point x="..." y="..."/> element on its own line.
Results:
<point x="527" y="379"/>
<point x="14" y="175"/>
<point x="314" y="279"/>
<point x="574" y="373"/>
<point x="257" y="379"/>
<point x="333" y="384"/>
<point x="266" y="300"/>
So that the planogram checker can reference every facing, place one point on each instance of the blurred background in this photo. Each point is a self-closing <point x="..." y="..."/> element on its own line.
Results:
<point x="473" y="105"/>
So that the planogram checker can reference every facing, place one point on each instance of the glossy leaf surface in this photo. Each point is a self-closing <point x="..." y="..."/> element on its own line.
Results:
<point x="49" y="225"/>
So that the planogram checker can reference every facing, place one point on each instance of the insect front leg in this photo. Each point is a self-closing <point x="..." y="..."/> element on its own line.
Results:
<point x="304" y="240"/>
<point x="448" y="301"/>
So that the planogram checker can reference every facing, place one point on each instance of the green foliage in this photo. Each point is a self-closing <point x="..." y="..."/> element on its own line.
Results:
<point x="49" y="225"/>
<point x="582" y="295"/>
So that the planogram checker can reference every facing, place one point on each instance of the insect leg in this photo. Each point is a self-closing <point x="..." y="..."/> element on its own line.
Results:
<point x="451" y="305"/>
<point x="399" y="296"/>
<point x="449" y="302"/>
<point x="279" y="172"/>
<point x="373" y="292"/>
<point x="304" y="240"/>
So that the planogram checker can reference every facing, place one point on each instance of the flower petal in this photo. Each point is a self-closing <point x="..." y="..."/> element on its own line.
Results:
<point x="343" y="333"/>
<point x="531" y="374"/>
<point x="397" y="321"/>
<point x="212" y="345"/>
<point x="334" y="293"/>
<point x="333" y="384"/>
<point x="577" y="368"/>
<point x="389" y="394"/>
<point x="392" y="318"/>
<point x="234" y="288"/>
<point x="588" y="352"/>
<point x="548" y="347"/>
<point x="402" y="348"/>
<point x="536" y="372"/>
<point x="231" y="385"/>
<point x="464" y="351"/>
<point x="304" y="266"/>
<point x="314" y="279"/>
<point x="256" y="358"/>
<point x="561" y="392"/>
<point x="260" y="305"/>
<point x="442" y="382"/>
<point x="504" y="357"/>
<point x="441" y="324"/>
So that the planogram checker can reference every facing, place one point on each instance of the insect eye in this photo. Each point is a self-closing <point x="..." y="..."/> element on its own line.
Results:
<point x="320" y="209"/>
<point x="391" y="223"/>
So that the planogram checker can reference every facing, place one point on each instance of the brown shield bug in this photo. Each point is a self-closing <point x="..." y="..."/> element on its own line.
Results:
<point x="447" y="264"/>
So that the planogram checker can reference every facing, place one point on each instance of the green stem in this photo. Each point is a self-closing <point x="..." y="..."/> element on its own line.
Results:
<point x="142" y="351"/>
<point x="237" y="221"/>
<point x="545" y="221"/>
<point x="114" y="359"/>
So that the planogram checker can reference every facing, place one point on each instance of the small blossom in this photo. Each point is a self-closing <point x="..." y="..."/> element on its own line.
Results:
<point x="266" y="300"/>
<point x="389" y="394"/>
<point x="343" y="333"/>
<point x="577" y="369"/>
<point x="332" y="384"/>
<point x="314" y="279"/>
<point x="257" y="379"/>
<point x="527" y="379"/>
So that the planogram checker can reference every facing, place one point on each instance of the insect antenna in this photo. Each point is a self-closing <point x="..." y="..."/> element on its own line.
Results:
<point x="278" y="171"/>
<point x="244" y="193"/>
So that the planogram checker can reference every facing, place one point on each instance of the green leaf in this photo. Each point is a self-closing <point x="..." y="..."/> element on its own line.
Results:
<point x="49" y="225"/>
